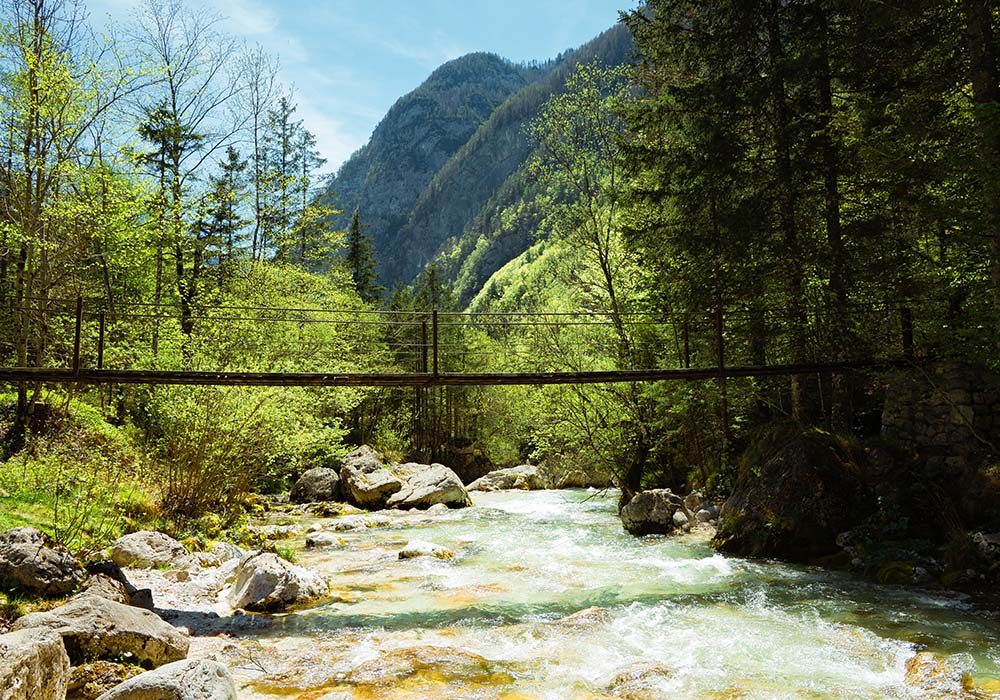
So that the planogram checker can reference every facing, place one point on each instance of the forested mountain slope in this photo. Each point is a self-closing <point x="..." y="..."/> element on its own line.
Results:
<point x="415" y="139"/>
<point x="432" y="171"/>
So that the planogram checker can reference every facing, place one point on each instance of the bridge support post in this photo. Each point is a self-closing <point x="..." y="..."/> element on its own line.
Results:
<point x="906" y="325"/>
<point x="720" y="348"/>
<point x="100" y="341"/>
<point x="76" y="336"/>
<point x="434" y="336"/>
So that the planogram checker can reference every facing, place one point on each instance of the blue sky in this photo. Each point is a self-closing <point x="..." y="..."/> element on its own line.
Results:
<point x="349" y="60"/>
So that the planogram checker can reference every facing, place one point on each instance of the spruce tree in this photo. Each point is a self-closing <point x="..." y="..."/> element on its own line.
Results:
<point x="360" y="261"/>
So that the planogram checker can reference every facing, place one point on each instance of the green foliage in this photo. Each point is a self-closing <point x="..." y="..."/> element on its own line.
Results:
<point x="79" y="479"/>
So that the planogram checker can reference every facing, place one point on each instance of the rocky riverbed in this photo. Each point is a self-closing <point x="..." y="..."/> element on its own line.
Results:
<point x="533" y="595"/>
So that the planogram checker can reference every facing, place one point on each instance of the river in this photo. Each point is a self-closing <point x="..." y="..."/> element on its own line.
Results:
<point x="672" y="618"/>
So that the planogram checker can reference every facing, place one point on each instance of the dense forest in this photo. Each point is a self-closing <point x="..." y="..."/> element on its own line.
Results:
<point x="825" y="176"/>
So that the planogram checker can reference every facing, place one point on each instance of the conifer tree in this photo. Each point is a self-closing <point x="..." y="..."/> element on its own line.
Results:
<point x="360" y="260"/>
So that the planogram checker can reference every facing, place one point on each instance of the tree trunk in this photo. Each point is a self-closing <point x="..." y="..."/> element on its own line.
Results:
<point x="840" y="401"/>
<point x="985" y="80"/>
<point x="786" y="202"/>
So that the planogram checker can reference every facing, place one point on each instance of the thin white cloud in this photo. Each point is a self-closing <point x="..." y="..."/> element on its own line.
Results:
<point x="247" y="17"/>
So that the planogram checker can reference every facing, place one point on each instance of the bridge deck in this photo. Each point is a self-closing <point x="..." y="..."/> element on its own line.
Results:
<point x="116" y="376"/>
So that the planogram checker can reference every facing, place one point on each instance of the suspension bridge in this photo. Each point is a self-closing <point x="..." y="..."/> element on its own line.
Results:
<point x="87" y="342"/>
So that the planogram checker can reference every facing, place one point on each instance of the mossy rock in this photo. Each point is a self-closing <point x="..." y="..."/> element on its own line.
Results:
<point x="792" y="506"/>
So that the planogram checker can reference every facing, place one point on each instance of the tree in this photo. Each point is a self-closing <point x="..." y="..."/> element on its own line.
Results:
<point x="58" y="84"/>
<point x="360" y="260"/>
<point x="189" y="123"/>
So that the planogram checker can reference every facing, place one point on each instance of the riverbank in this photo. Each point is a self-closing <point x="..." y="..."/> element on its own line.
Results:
<point x="545" y="596"/>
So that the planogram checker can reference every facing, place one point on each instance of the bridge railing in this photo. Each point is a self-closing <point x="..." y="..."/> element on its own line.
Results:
<point x="80" y="334"/>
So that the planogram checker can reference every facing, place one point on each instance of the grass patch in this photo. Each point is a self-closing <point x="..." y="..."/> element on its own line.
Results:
<point x="80" y="479"/>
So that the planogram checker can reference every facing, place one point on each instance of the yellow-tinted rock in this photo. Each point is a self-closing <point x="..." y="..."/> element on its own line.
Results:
<point x="586" y="617"/>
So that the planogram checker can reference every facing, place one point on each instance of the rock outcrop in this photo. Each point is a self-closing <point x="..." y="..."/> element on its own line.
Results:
<point x="365" y="481"/>
<point x="524" y="477"/>
<point x="31" y="563"/>
<point x="96" y="628"/>
<point x="89" y="681"/>
<point x="652" y="512"/>
<point x="810" y="490"/>
<point x="147" y="549"/>
<point x="316" y="485"/>
<point x="33" y="665"/>
<point x="267" y="583"/>
<point x="193" y="679"/>
<point x="427" y="485"/>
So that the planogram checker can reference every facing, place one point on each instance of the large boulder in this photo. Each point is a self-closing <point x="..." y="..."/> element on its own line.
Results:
<point x="315" y="485"/>
<point x="193" y="679"/>
<point x="28" y="562"/>
<point x="93" y="627"/>
<point x="524" y="477"/>
<point x="267" y="583"/>
<point x="810" y="490"/>
<point x="33" y="666"/>
<point x="147" y="549"/>
<point x="427" y="485"/>
<point x="651" y="512"/>
<point x="365" y="482"/>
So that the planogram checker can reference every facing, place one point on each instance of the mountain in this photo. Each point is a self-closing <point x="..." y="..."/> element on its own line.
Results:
<point x="414" y="140"/>
<point x="445" y="168"/>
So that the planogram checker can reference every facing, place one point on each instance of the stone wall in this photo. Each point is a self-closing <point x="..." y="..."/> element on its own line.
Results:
<point x="948" y="414"/>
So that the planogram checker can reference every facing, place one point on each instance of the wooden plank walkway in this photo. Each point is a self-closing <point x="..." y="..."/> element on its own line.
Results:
<point x="420" y="379"/>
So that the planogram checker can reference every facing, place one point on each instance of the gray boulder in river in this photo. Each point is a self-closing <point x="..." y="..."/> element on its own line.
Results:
<point x="29" y="563"/>
<point x="315" y="485"/>
<point x="651" y="512"/>
<point x="365" y="482"/>
<point x="193" y="679"/>
<point x="524" y="477"/>
<point x="93" y="627"/>
<point x="427" y="485"/>
<point x="267" y="583"/>
<point x="33" y="665"/>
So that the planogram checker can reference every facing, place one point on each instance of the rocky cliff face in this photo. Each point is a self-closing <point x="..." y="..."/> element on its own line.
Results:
<point x="448" y="157"/>
<point x="414" y="140"/>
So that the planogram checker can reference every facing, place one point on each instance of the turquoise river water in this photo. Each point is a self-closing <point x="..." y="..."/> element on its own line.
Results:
<point x="673" y="618"/>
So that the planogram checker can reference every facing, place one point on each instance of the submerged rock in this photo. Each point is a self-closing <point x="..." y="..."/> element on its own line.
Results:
<point x="586" y="617"/>
<point x="324" y="539"/>
<point x="95" y="628"/>
<point x="193" y="679"/>
<point x="432" y="665"/>
<point x="147" y="549"/>
<point x="315" y="485"/>
<point x="642" y="680"/>
<point x="524" y="477"/>
<point x="365" y="481"/>
<point x="267" y="583"/>
<point x="33" y="665"/>
<point x="418" y="548"/>
<point x="651" y="512"/>
<point x="427" y="485"/>
<point x="942" y="679"/>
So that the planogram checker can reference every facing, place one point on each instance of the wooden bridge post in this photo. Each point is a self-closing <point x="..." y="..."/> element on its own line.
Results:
<point x="906" y="324"/>
<point x="434" y="336"/>
<point x="687" y="342"/>
<point x="720" y="347"/>
<point x="100" y="341"/>
<point x="76" y="337"/>
<point x="423" y="347"/>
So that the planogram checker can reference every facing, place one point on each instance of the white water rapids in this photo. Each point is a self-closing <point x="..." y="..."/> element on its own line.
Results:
<point x="676" y="619"/>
